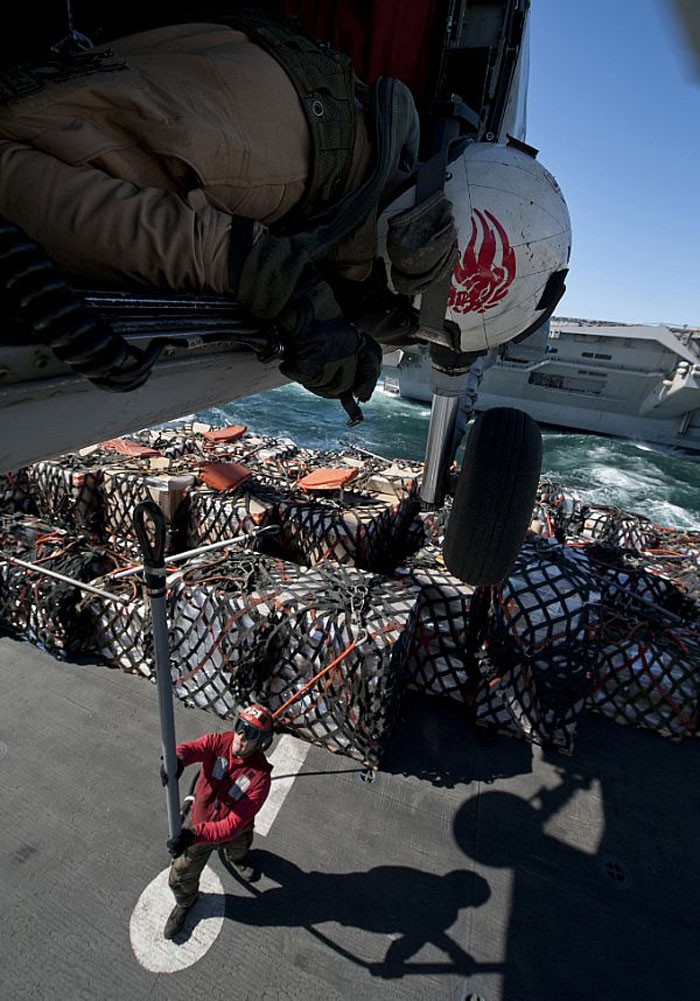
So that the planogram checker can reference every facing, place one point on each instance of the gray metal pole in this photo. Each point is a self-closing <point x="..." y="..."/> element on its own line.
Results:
<point x="447" y="387"/>
<point x="443" y="418"/>
<point x="239" y="540"/>
<point x="154" y="567"/>
<point x="45" y="572"/>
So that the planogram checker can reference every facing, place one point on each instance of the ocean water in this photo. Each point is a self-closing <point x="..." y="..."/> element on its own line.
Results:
<point x="663" y="487"/>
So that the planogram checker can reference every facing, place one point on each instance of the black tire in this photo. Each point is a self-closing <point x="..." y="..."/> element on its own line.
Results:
<point x="495" y="496"/>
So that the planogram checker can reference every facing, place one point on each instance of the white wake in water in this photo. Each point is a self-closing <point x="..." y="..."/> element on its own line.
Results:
<point x="663" y="487"/>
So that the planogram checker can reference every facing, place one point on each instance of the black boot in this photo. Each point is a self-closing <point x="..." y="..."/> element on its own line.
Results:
<point x="246" y="870"/>
<point x="176" y="919"/>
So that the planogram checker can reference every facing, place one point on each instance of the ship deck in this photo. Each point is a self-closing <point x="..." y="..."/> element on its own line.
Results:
<point x="464" y="868"/>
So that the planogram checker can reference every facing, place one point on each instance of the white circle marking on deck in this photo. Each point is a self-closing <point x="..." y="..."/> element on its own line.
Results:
<point x="156" y="953"/>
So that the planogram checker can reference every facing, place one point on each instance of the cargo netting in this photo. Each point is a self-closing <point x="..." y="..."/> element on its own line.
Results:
<point x="356" y="530"/>
<point x="610" y="524"/>
<point x="327" y="644"/>
<point x="66" y="493"/>
<point x="335" y="598"/>
<point x="649" y="666"/>
<point x="429" y="526"/>
<point x="340" y="659"/>
<point x="219" y="623"/>
<point x="538" y="661"/>
<point x="649" y="669"/>
<point x="123" y="489"/>
<point x="172" y="443"/>
<point x="368" y="522"/>
<point x="120" y="631"/>
<point x="441" y="657"/>
<point x="16" y="493"/>
<point x="213" y="516"/>
<point x="41" y="609"/>
<point x="560" y="513"/>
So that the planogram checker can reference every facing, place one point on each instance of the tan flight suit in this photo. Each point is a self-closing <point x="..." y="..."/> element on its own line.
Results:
<point x="133" y="170"/>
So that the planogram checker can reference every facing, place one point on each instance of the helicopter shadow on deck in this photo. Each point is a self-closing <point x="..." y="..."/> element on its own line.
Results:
<point x="592" y="852"/>
<point x="601" y="868"/>
<point x="436" y="740"/>
<point x="597" y="848"/>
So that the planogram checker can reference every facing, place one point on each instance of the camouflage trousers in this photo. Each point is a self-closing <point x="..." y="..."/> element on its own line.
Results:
<point x="185" y="870"/>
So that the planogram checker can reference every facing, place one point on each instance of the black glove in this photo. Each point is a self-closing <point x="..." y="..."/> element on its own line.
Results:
<point x="332" y="358"/>
<point x="176" y="846"/>
<point x="178" y="772"/>
<point x="380" y="313"/>
<point x="422" y="245"/>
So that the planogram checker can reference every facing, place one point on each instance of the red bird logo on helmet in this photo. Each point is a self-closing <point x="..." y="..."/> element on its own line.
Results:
<point x="482" y="277"/>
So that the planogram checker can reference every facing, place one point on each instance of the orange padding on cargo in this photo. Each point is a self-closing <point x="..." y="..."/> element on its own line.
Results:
<point x="231" y="433"/>
<point x="131" y="448"/>
<point x="327" y="479"/>
<point x="224" y="475"/>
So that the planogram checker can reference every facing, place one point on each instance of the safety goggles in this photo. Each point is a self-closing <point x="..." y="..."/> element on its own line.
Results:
<point x="247" y="730"/>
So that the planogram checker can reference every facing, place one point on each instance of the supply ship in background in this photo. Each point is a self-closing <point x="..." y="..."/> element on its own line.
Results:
<point x="638" y="382"/>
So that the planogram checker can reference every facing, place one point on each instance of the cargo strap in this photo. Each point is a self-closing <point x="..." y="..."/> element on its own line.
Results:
<point x="394" y="131"/>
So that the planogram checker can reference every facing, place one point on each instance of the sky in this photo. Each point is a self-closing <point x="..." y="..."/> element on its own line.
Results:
<point x="614" y="108"/>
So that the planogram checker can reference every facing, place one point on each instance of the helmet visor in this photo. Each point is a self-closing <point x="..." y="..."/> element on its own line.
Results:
<point x="247" y="730"/>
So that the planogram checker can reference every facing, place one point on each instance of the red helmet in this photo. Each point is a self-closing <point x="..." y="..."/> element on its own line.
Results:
<point x="255" y="723"/>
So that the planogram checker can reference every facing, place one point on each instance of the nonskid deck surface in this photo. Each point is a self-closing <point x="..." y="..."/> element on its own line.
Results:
<point x="462" y="868"/>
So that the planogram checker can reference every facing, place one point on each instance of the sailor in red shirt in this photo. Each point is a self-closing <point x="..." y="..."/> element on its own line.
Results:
<point x="233" y="783"/>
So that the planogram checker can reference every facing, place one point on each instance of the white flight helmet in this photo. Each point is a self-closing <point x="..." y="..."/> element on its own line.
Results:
<point x="514" y="235"/>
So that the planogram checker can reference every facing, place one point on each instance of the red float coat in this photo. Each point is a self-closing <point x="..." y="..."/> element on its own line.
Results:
<point x="229" y="790"/>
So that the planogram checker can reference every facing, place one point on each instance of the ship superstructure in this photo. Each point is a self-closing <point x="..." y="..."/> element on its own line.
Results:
<point x="640" y="382"/>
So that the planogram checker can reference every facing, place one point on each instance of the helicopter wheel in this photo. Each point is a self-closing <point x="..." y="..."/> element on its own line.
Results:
<point x="495" y="496"/>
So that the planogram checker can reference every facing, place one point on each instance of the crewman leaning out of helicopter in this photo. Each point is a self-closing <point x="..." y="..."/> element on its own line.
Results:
<point x="233" y="784"/>
<point x="245" y="159"/>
